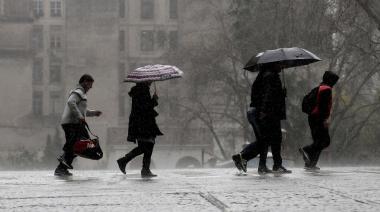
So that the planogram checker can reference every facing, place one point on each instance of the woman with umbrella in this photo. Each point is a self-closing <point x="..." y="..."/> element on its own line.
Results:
<point x="143" y="128"/>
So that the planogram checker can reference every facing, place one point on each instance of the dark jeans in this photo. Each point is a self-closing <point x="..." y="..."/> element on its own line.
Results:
<point x="73" y="132"/>
<point x="268" y="133"/>
<point x="145" y="146"/>
<point x="321" y="140"/>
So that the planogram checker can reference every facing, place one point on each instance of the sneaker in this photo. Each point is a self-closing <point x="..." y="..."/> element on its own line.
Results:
<point x="62" y="160"/>
<point x="244" y="164"/>
<point x="240" y="163"/>
<point x="59" y="172"/>
<point x="281" y="170"/>
<point x="263" y="170"/>
<point x="237" y="161"/>
<point x="146" y="173"/>
<point x="312" y="168"/>
<point x="305" y="156"/>
<point x="122" y="164"/>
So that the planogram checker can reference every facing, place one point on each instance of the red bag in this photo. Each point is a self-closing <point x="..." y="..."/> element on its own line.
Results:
<point x="88" y="148"/>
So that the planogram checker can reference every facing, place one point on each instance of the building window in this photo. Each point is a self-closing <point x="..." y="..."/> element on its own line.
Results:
<point x="122" y="8"/>
<point x="56" y="33"/>
<point x="55" y="102"/>
<point x="55" y="41"/>
<point x="173" y="39"/>
<point x="37" y="103"/>
<point x="161" y="39"/>
<point x="147" y="9"/>
<point x="147" y="40"/>
<point x="38" y="8"/>
<point x="122" y="40"/>
<point x="37" y="71"/>
<point x="37" y="38"/>
<point x="173" y="9"/>
<point x="55" y="8"/>
<point x="55" y="72"/>
<point x="17" y="9"/>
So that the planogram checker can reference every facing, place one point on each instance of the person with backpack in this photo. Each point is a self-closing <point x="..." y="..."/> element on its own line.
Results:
<point x="317" y="104"/>
<point x="142" y="128"/>
<point x="267" y="111"/>
<point x="73" y="123"/>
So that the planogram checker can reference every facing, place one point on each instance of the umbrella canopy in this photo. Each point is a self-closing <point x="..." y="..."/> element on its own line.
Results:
<point x="287" y="57"/>
<point x="153" y="73"/>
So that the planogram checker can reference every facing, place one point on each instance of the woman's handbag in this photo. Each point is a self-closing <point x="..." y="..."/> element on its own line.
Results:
<point x="88" y="148"/>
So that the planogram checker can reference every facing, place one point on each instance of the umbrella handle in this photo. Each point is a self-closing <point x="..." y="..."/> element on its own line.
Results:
<point x="284" y="81"/>
<point x="283" y="78"/>
<point x="155" y="88"/>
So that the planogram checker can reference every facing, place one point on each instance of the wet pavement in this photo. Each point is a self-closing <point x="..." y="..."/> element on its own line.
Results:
<point x="331" y="189"/>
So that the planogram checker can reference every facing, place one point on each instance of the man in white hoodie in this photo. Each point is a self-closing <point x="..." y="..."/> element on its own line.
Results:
<point x="73" y="123"/>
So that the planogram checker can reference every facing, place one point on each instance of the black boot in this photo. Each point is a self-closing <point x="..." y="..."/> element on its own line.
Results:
<point x="146" y="173"/>
<point x="122" y="162"/>
<point x="263" y="170"/>
<point x="281" y="170"/>
<point x="63" y="161"/>
<point x="61" y="171"/>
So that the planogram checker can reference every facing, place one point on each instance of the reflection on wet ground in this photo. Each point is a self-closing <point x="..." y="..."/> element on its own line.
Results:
<point x="330" y="189"/>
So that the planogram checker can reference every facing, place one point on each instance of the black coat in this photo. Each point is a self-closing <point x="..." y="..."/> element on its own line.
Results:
<point x="268" y="96"/>
<point x="142" y="120"/>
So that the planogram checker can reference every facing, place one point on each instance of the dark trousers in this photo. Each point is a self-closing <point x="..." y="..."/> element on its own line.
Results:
<point x="73" y="132"/>
<point x="272" y="136"/>
<point x="253" y="149"/>
<point x="144" y="147"/>
<point x="268" y="133"/>
<point x="321" y="140"/>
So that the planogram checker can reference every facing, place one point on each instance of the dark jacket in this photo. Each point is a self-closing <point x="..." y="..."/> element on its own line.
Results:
<point x="142" y="120"/>
<point x="268" y="96"/>
<point x="256" y="90"/>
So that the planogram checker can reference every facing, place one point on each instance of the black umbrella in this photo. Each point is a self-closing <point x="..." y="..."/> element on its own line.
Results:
<point x="287" y="57"/>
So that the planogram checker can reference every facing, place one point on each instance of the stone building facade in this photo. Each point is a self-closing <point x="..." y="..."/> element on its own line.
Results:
<point x="46" y="45"/>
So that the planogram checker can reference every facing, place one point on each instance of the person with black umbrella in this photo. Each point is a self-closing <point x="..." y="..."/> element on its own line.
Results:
<point x="268" y="103"/>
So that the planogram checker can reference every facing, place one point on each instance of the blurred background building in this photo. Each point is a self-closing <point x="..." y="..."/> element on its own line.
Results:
<point x="46" y="45"/>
